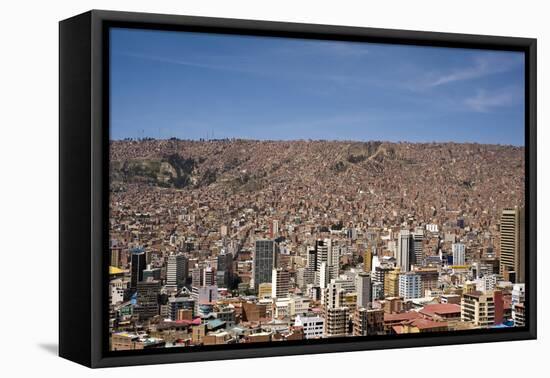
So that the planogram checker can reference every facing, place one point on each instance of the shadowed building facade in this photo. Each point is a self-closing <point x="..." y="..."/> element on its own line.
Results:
<point x="265" y="259"/>
<point x="512" y="244"/>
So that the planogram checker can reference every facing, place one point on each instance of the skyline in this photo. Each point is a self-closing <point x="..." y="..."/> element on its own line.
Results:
<point x="329" y="90"/>
<point x="229" y="139"/>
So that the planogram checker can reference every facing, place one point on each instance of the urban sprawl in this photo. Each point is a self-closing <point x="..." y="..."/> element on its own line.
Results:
<point x="242" y="241"/>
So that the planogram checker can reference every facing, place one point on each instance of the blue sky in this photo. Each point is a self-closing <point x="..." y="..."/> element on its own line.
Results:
<point x="194" y="85"/>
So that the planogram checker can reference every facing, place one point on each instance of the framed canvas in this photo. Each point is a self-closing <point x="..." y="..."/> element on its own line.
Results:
<point x="237" y="189"/>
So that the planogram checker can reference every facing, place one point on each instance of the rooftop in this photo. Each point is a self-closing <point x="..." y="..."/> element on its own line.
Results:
<point x="440" y="309"/>
<point x="402" y="317"/>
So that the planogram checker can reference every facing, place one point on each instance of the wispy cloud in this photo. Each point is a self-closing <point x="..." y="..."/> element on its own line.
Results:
<point x="480" y="67"/>
<point x="181" y="62"/>
<point x="485" y="101"/>
<point x="269" y="56"/>
<point x="266" y="66"/>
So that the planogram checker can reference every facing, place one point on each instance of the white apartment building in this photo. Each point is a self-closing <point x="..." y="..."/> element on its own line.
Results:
<point x="313" y="326"/>
<point x="518" y="293"/>
<point x="410" y="285"/>
<point x="117" y="288"/>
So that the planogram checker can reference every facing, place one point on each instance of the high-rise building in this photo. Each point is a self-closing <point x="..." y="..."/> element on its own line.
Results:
<point x="418" y="245"/>
<point x="334" y="309"/>
<point x="311" y="267"/>
<point x="367" y="260"/>
<point x="176" y="270"/>
<point x="197" y="277"/>
<point x="328" y="253"/>
<point x="377" y="291"/>
<point x="209" y="276"/>
<point x="367" y="322"/>
<point x="336" y="322"/>
<point x="404" y="250"/>
<point x="391" y="283"/>
<point x="311" y="258"/>
<point x="379" y="277"/>
<point x="479" y="308"/>
<point x="265" y="259"/>
<point x="147" y="304"/>
<point x="280" y="283"/>
<point x="137" y="266"/>
<point x="512" y="245"/>
<point x="410" y="285"/>
<point x="323" y="248"/>
<point x="334" y="260"/>
<point x="333" y="295"/>
<point x="224" y="272"/>
<point x="323" y="275"/>
<point x="459" y="253"/>
<point x="364" y="289"/>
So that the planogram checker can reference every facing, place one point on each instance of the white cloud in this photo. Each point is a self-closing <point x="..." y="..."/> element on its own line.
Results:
<point x="481" y="68"/>
<point x="489" y="64"/>
<point x="484" y="101"/>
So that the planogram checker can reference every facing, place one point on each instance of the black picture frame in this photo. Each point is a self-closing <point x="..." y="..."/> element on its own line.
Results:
<point x="83" y="181"/>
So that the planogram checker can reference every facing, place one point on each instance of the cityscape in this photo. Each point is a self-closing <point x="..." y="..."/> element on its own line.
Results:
<point x="239" y="241"/>
<point x="277" y="190"/>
